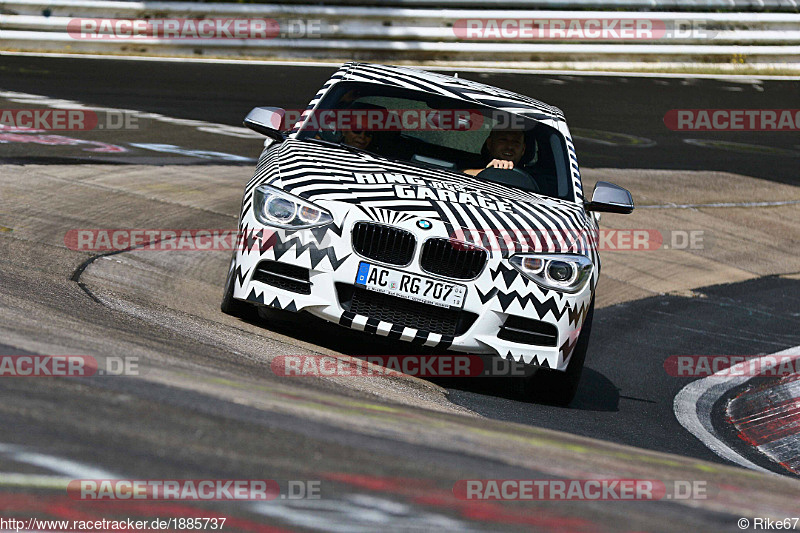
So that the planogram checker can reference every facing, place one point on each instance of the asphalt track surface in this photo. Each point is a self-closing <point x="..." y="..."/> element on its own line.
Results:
<point x="154" y="429"/>
<point x="598" y="108"/>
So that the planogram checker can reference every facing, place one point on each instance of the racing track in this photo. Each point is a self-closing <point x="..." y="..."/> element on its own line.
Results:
<point x="223" y="414"/>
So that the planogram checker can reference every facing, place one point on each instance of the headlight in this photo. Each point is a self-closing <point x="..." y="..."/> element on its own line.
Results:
<point x="275" y="207"/>
<point x="560" y="272"/>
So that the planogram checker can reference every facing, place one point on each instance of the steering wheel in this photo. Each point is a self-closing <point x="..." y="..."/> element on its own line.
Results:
<point x="516" y="177"/>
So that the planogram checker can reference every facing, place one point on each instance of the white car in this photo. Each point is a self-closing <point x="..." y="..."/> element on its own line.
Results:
<point x="361" y="213"/>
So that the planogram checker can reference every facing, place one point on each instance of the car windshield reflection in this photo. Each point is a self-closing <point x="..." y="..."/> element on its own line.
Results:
<point x="448" y="134"/>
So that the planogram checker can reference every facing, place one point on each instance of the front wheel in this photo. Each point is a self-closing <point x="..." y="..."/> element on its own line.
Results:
<point x="558" y="387"/>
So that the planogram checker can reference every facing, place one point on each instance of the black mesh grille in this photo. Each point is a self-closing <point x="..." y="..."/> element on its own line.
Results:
<point x="288" y="277"/>
<point x="383" y="243"/>
<point x="529" y="331"/>
<point x="402" y="312"/>
<point x="452" y="259"/>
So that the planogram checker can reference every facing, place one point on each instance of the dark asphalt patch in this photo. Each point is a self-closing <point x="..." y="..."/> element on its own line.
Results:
<point x="626" y="394"/>
<point x="620" y="111"/>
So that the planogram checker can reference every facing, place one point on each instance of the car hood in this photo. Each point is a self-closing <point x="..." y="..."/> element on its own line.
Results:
<point x="492" y="215"/>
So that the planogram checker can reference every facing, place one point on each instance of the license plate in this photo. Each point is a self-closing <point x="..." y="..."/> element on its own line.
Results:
<point x="410" y="286"/>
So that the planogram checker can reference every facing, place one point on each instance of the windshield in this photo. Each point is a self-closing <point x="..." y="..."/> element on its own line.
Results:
<point x="445" y="133"/>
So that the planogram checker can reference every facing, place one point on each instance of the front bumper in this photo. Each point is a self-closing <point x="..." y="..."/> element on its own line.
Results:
<point x="499" y="292"/>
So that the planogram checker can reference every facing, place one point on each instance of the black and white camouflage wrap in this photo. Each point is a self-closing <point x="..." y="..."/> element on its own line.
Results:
<point x="357" y="186"/>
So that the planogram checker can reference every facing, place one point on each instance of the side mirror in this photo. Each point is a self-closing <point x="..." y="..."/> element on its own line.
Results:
<point x="266" y="121"/>
<point x="610" y="198"/>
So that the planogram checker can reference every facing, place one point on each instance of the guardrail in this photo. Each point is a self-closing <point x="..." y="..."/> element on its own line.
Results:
<point x="572" y="5"/>
<point x="392" y="33"/>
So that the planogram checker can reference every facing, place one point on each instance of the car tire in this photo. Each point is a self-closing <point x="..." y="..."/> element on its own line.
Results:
<point x="230" y="305"/>
<point x="556" y="387"/>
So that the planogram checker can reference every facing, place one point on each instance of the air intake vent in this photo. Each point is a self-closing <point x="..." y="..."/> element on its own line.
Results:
<point x="287" y="277"/>
<point x="402" y="312"/>
<point x="385" y="244"/>
<point x="452" y="259"/>
<point x="529" y="331"/>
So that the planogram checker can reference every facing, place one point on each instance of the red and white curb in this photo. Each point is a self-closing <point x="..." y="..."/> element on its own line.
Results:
<point x="693" y="405"/>
<point x="768" y="418"/>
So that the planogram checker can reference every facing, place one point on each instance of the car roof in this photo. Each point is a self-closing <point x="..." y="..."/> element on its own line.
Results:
<point x="450" y="86"/>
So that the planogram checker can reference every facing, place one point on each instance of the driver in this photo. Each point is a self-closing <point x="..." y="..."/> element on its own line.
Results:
<point x="504" y="147"/>
<point x="357" y="138"/>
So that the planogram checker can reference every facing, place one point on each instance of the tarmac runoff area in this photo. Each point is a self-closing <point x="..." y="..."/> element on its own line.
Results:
<point x="703" y="228"/>
<point x="716" y="228"/>
<point x="167" y="305"/>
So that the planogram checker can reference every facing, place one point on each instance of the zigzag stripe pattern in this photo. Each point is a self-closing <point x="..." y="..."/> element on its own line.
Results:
<point x="509" y="274"/>
<point x="279" y="248"/>
<point x="241" y="275"/>
<point x="316" y="255"/>
<point x="534" y="361"/>
<point x="291" y="306"/>
<point x="542" y="308"/>
<point x="567" y="348"/>
<point x="578" y="315"/>
<point x="258" y="298"/>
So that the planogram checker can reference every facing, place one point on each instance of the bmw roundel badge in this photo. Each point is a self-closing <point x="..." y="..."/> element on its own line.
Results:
<point x="424" y="224"/>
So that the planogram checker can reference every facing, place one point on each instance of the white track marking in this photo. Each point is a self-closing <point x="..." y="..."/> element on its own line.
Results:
<point x="39" y="481"/>
<point x="199" y="125"/>
<point x="357" y="513"/>
<point x="59" y="465"/>
<point x="693" y="406"/>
